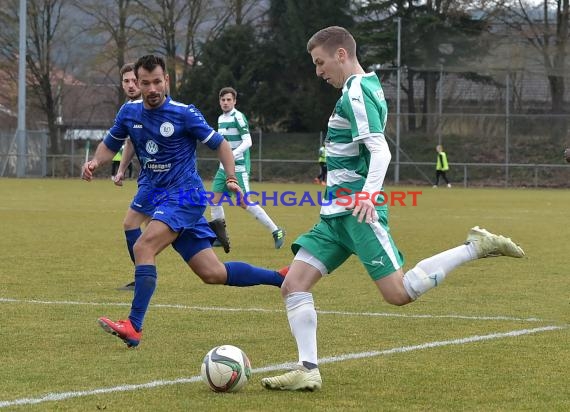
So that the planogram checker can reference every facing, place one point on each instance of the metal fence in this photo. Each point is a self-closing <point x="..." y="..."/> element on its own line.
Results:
<point x="35" y="159"/>
<point x="293" y="158"/>
<point x="499" y="118"/>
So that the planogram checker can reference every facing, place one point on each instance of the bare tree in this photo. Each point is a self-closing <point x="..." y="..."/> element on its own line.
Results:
<point x="9" y="55"/>
<point x="195" y="22"/>
<point x="48" y="55"/>
<point x="162" y="21"/>
<point x="44" y="19"/>
<point x="113" y="22"/>
<point x="434" y="33"/>
<point x="247" y="11"/>
<point x="544" y="26"/>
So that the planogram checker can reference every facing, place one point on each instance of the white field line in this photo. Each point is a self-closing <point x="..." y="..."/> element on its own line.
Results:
<point x="261" y="310"/>
<point x="349" y="356"/>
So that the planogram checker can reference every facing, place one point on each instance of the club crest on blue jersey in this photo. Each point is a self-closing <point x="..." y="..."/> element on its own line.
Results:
<point x="151" y="147"/>
<point x="167" y="129"/>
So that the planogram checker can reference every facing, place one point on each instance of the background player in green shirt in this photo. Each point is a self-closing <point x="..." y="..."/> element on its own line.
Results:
<point x="232" y="124"/>
<point x="322" y="177"/>
<point x="357" y="159"/>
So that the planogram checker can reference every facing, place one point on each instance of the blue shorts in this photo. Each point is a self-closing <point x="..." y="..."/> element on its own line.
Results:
<point x="181" y="208"/>
<point x="143" y="200"/>
<point x="192" y="241"/>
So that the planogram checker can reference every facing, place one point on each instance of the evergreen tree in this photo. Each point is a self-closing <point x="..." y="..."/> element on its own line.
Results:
<point x="433" y="35"/>
<point x="291" y="97"/>
<point x="270" y="68"/>
<point x="229" y="60"/>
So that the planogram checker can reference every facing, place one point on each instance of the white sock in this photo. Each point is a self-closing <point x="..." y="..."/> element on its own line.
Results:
<point x="260" y="214"/>
<point x="430" y="272"/>
<point x="303" y="322"/>
<point x="217" y="212"/>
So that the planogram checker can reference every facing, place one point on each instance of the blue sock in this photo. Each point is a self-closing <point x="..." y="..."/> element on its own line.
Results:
<point x="243" y="274"/>
<point x="131" y="236"/>
<point x="145" y="283"/>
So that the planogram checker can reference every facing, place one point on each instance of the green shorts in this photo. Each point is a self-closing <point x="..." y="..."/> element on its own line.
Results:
<point x="219" y="182"/>
<point x="334" y="239"/>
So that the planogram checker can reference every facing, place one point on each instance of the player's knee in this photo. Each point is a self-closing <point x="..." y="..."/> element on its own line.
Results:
<point x="213" y="278"/>
<point x="133" y="222"/>
<point x="142" y="249"/>
<point x="127" y="225"/>
<point x="285" y="289"/>
<point x="399" y="298"/>
<point x="138" y="248"/>
<point x="213" y="275"/>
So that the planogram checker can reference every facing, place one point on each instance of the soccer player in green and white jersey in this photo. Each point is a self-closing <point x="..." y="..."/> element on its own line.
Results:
<point x="232" y="124"/>
<point x="357" y="160"/>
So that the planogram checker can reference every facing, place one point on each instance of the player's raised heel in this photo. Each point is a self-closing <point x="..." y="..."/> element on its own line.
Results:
<point x="301" y="379"/>
<point x="488" y="244"/>
<point x="130" y="287"/>
<point x="218" y="226"/>
<point x="123" y="329"/>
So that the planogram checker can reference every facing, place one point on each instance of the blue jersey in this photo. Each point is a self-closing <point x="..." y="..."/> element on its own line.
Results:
<point x="165" y="140"/>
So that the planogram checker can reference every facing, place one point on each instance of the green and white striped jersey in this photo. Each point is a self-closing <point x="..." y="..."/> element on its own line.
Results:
<point x="360" y="113"/>
<point x="234" y="127"/>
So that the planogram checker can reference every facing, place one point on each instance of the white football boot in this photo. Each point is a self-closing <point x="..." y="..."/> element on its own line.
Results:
<point x="301" y="379"/>
<point x="488" y="244"/>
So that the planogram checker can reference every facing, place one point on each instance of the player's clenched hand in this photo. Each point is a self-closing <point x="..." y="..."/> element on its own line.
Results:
<point x="567" y="155"/>
<point x="232" y="184"/>
<point x="88" y="169"/>
<point x="118" y="178"/>
<point x="234" y="187"/>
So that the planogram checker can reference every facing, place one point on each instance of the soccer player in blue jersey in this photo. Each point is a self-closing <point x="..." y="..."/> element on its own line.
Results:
<point x="357" y="159"/>
<point x="165" y="134"/>
<point x="141" y="208"/>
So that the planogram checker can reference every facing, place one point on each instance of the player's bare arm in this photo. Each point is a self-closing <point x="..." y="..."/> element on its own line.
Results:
<point x="128" y="155"/>
<point x="102" y="155"/>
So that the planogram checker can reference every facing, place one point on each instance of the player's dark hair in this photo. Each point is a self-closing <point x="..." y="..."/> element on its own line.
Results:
<point x="331" y="38"/>
<point x="149" y="63"/>
<point x="226" y="90"/>
<point x="128" y="67"/>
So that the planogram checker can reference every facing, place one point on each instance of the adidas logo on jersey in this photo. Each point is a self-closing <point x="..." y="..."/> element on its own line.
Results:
<point x="137" y="126"/>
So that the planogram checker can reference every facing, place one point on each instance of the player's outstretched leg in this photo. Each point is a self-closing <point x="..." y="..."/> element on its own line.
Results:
<point x="301" y="379"/>
<point x="218" y="226"/>
<point x="480" y="243"/>
<point x="488" y="244"/>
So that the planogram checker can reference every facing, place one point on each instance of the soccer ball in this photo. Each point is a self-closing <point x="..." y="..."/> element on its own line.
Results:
<point x="226" y="368"/>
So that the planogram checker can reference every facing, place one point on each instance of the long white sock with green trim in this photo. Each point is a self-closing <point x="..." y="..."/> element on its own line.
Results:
<point x="303" y="322"/>
<point x="260" y="214"/>
<point x="430" y="272"/>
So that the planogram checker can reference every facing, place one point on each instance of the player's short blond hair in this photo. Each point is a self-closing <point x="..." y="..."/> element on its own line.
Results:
<point x="331" y="38"/>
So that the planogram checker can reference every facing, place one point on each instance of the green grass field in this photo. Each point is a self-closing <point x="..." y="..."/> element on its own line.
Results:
<point x="493" y="337"/>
